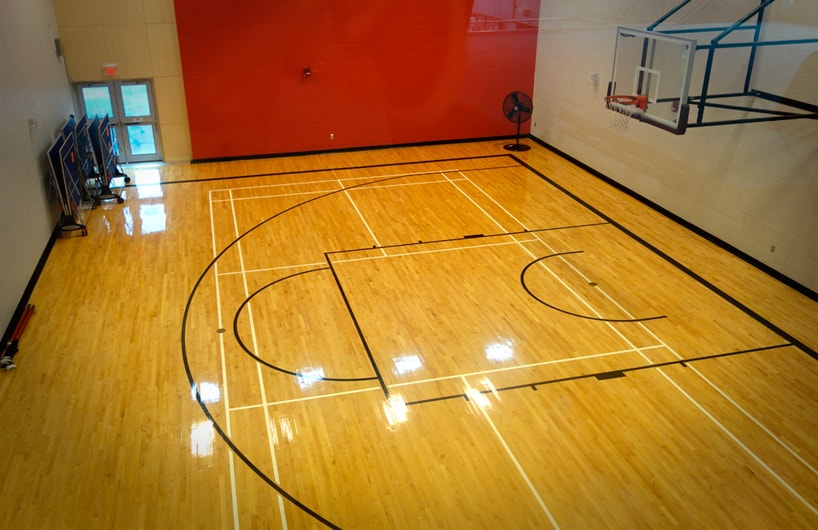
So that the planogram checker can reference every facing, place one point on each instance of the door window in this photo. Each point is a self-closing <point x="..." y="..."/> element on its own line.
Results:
<point x="141" y="140"/>
<point x="135" y="101"/>
<point x="130" y="106"/>
<point x="97" y="101"/>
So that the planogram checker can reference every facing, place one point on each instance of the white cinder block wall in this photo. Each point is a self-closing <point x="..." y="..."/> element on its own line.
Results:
<point x="139" y="36"/>
<point x="35" y="103"/>
<point x="752" y="185"/>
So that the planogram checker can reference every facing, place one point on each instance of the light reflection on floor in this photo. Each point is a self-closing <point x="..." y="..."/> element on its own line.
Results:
<point x="150" y="218"/>
<point x="147" y="182"/>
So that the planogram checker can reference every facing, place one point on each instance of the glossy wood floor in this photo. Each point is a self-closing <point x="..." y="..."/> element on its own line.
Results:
<point x="433" y="337"/>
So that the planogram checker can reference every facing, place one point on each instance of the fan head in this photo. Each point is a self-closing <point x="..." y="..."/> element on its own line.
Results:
<point x="517" y="107"/>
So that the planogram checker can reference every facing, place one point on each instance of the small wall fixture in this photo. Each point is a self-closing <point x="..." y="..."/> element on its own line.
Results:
<point x="307" y="71"/>
<point x="110" y="70"/>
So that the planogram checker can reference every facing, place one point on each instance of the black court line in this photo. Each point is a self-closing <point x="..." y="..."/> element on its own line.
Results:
<point x="186" y="314"/>
<point x="578" y="315"/>
<point x="461" y="238"/>
<point x="188" y="372"/>
<point x="333" y="169"/>
<point x="497" y="140"/>
<point x="610" y="375"/>
<point x="758" y="264"/>
<point x="680" y="266"/>
<point x="359" y="330"/>
<point x="312" y="513"/>
<point x="351" y="311"/>
<point x="258" y="359"/>
<point x="602" y="376"/>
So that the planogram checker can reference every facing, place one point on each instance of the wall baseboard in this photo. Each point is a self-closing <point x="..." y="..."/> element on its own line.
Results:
<point x="32" y="282"/>
<point x="351" y="149"/>
<point x="803" y="289"/>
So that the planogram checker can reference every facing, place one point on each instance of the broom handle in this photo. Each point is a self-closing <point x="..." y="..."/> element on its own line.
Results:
<point x="23" y="322"/>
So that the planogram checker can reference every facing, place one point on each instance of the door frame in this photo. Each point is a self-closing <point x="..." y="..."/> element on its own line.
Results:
<point x="120" y="122"/>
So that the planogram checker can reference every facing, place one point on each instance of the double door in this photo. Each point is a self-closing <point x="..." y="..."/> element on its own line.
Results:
<point x="132" y="111"/>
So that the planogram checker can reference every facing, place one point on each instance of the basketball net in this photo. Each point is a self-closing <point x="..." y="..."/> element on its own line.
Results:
<point x="620" y="116"/>
<point x="623" y="109"/>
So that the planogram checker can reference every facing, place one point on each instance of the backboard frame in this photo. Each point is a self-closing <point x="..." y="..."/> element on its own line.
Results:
<point x="668" y="95"/>
<point x="741" y="105"/>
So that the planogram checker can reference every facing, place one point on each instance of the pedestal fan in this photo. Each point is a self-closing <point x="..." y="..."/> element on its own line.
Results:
<point x="517" y="108"/>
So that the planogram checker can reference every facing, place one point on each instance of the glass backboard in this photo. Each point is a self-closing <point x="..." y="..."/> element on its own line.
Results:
<point x="656" y="68"/>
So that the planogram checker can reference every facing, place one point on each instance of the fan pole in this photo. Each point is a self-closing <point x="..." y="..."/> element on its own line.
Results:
<point x="519" y="121"/>
<point x="517" y="146"/>
<point x="517" y="105"/>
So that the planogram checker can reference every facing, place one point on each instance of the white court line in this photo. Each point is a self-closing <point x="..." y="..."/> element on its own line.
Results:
<point x="443" y="378"/>
<point x="397" y="185"/>
<point x="638" y="350"/>
<point x="267" y="423"/>
<point x="479" y="207"/>
<point x="528" y="251"/>
<point x="741" y="444"/>
<point x="330" y="179"/>
<point x="541" y="263"/>
<point x="525" y="249"/>
<point x="265" y="404"/>
<point x="310" y="398"/>
<point x="529" y="365"/>
<point x="514" y="460"/>
<point x="421" y="252"/>
<point x="735" y="438"/>
<point x="271" y="269"/>
<point x="492" y="199"/>
<point x="715" y="387"/>
<point x="325" y="192"/>
<point x="225" y="393"/>
<point x="756" y="421"/>
<point x="724" y="394"/>
<point x="721" y="426"/>
<point x="333" y="180"/>
<point x="276" y="196"/>
<point x="363" y="219"/>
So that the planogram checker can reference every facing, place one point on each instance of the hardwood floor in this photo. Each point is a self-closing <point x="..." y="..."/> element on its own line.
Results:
<point x="448" y="336"/>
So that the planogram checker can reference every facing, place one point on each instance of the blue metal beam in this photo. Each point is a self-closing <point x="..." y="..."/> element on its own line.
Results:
<point x="749" y="120"/>
<point x="668" y="15"/>
<point x="755" y="44"/>
<point x="742" y="20"/>
<point x="701" y="101"/>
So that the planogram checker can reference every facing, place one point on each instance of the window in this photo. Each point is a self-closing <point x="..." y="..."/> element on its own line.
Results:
<point x="130" y="105"/>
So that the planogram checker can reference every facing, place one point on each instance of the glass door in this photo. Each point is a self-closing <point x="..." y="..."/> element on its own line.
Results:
<point x="130" y="105"/>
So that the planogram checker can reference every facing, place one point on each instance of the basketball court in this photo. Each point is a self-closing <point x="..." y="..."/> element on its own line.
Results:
<point x="336" y="292"/>
<point x="464" y="343"/>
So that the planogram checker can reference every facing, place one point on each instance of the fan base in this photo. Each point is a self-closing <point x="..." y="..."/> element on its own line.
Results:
<point x="516" y="147"/>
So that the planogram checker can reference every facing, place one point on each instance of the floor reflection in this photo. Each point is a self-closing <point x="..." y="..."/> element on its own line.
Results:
<point x="147" y="182"/>
<point x="201" y="439"/>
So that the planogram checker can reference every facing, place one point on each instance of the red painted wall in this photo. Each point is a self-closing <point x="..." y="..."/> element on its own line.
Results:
<point x="384" y="72"/>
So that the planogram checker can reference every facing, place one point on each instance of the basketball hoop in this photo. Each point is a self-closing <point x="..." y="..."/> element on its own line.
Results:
<point x="624" y="108"/>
